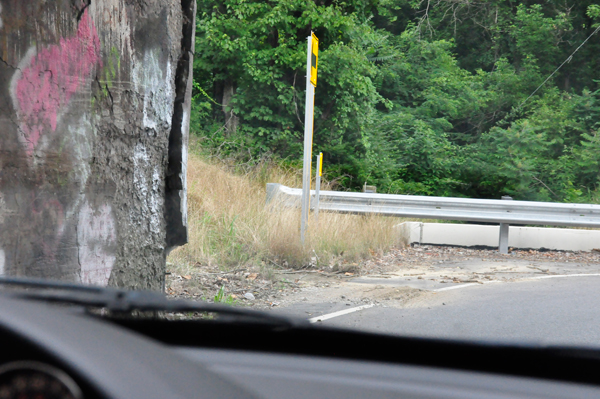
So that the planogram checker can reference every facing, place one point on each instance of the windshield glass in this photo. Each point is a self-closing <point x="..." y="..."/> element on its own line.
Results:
<point x="412" y="167"/>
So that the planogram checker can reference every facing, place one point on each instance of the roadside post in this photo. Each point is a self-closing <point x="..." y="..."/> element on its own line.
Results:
<point x="503" y="239"/>
<point x="312" y="56"/>
<point x="318" y="185"/>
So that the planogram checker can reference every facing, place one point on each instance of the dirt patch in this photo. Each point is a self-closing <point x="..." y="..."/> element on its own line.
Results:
<point x="416" y="257"/>
<point x="251" y="287"/>
<point x="397" y="269"/>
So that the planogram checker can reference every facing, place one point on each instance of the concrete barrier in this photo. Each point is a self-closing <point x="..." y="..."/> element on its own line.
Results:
<point x="94" y="114"/>
<point x="470" y="235"/>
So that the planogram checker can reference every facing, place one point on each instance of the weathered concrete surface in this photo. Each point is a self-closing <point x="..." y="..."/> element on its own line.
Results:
<point x="94" y="110"/>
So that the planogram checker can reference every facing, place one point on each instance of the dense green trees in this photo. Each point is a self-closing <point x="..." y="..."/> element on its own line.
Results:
<point x="416" y="96"/>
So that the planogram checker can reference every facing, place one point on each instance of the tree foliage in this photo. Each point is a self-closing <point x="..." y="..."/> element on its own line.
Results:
<point x="428" y="97"/>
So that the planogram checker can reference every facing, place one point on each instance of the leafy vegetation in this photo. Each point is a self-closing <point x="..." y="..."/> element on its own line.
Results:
<point x="428" y="97"/>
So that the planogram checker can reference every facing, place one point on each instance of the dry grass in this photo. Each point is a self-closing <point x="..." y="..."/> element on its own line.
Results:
<point x="230" y="226"/>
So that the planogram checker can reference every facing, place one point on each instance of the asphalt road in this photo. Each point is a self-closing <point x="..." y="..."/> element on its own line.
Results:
<point x="551" y="311"/>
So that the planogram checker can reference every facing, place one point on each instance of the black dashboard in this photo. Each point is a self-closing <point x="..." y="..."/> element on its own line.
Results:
<point x="51" y="351"/>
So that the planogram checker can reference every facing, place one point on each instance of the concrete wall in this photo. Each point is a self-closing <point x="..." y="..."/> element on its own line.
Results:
<point x="471" y="235"/>
<point x="94" y="111"/>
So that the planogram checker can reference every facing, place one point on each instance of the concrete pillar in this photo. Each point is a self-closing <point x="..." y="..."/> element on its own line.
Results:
<point x="94" y="115"/>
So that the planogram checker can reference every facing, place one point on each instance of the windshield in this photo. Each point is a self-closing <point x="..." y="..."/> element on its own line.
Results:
<point x="415" y="168"/>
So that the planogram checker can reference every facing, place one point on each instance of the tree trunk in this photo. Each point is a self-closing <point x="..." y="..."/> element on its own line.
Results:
<point x="231" y="120"/>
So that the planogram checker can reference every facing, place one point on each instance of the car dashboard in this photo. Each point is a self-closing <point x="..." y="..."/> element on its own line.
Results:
<point x="52" y="351"/>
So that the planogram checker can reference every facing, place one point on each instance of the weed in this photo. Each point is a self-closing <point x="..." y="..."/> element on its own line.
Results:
<point x="221" y="298"/>
<point x="230" y="226"/>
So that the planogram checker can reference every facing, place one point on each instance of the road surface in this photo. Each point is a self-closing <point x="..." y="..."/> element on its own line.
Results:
<point x="563" y="310"/>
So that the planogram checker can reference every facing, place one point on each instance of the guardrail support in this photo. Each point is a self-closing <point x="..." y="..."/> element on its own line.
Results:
<point x="318" y="185"/>
<point x="503" y="239"/>
<point x="272" y="191"/>
<point x="503" y="242"/>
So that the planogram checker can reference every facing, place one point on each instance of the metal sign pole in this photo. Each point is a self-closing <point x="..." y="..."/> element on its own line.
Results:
<point x="308" y="133"/>
<point x="312" y="57"/>
<point x="318" y="185"/>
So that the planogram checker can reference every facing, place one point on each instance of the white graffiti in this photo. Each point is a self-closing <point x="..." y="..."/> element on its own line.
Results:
<point x="3" y="209"/>
<point x="148" y="189"/>
<point x="18" y="76"/>
<point x="157" y="86"/>
<point x="2" y="262"/>
<point x="97" y="239"/>
<point x="140" y="160"/>
<point x="153" y="203"/>
<point x="184" y="162"/>
<point x="80" y="139"/>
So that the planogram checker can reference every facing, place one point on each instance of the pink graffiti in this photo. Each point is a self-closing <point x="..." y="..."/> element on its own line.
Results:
<point x="53" y="76"/>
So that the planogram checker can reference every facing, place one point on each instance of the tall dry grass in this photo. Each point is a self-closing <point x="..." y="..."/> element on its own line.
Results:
<point x="229" y="224"/>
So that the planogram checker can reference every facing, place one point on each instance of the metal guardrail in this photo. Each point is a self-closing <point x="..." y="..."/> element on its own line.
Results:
<point x="446" y="208"/>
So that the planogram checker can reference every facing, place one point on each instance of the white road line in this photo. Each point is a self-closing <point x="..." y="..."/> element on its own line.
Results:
<point x="340" y="313"/>
<point x="454" y="287"/>
<point x="563" y="275"/>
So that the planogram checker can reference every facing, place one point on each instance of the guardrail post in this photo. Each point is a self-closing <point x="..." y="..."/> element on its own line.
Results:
<point x="318" y="185"/>
<point x="503" y="239"/>
<point x="272" y="191"/>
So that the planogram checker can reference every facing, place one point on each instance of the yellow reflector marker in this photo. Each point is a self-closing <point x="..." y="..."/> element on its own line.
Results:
<point x="314" y="60"/>
<point x="321" y="164"/>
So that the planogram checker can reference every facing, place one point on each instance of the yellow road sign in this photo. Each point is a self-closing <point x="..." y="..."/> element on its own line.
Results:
<point x="314" y="60"/>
